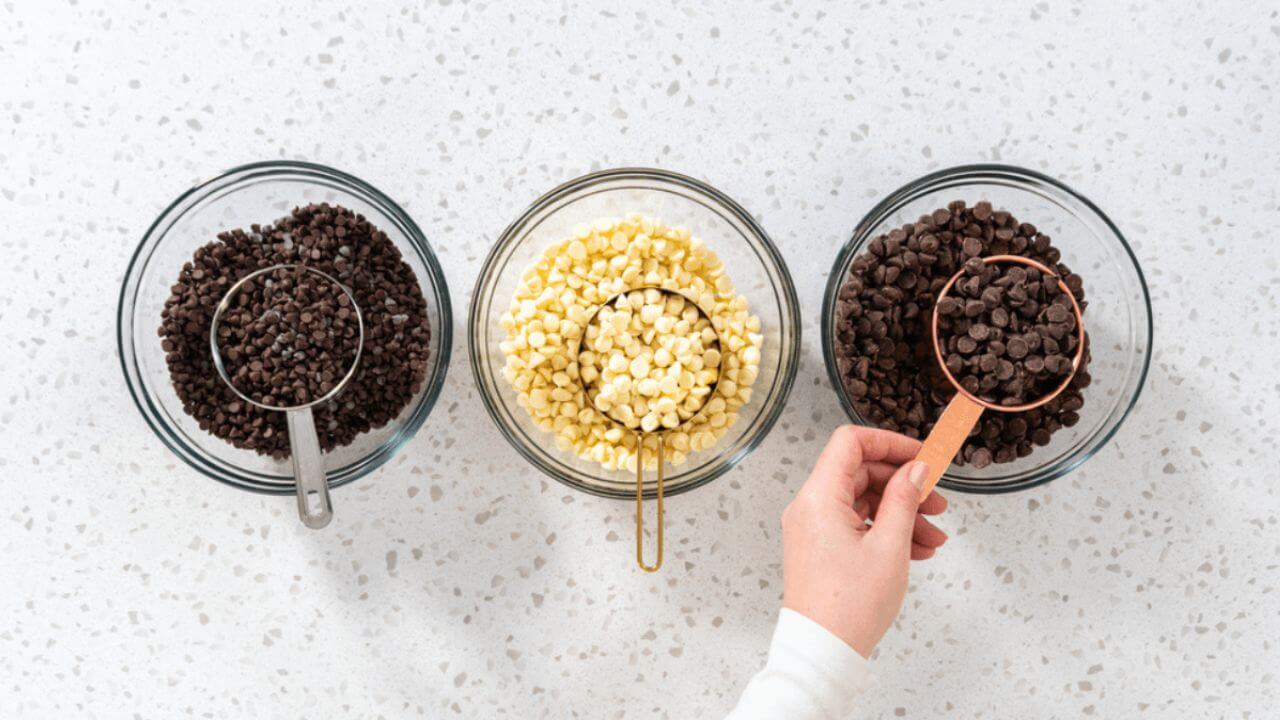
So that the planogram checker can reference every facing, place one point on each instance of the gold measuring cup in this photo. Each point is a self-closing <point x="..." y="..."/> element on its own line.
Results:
<point x="592" y="389"/>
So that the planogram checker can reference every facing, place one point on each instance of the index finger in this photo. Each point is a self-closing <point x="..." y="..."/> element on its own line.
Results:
<point x="838" y="474"/>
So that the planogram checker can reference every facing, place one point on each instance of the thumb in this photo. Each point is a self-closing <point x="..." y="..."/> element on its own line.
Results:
<point x="896" y="517"/>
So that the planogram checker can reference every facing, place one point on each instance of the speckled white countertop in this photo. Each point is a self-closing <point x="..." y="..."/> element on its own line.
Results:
<point x="456" y="581"/>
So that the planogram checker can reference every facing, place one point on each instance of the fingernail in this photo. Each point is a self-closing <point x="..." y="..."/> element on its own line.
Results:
<point x="918" y="473"/>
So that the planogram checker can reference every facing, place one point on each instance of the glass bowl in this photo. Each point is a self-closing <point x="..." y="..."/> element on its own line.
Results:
<point x="1118" y="318"/>
<point x="751" y="261"/>
<point x="262" y="193"/>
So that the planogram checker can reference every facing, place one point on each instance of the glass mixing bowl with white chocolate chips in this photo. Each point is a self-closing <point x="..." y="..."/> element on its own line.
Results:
<point x="631" y="305"/>
<point x="655" y="357"/>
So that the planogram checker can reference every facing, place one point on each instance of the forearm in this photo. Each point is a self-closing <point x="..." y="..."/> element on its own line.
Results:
<point x="810" y="675"/>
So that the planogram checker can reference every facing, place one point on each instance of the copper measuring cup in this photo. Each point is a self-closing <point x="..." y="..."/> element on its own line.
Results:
<point x="641" y="434"/>
<point x="965" y="408"/>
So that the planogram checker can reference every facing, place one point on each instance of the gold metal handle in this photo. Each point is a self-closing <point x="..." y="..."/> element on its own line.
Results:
<point x="640" y="502"/>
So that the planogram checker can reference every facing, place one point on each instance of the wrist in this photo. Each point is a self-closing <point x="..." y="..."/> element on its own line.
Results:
<point x="853" y="634"/>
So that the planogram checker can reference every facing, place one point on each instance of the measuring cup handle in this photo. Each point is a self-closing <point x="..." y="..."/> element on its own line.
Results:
<point x="657" y="563"/>
<point x="308" y="470"/>
<point x="948" y="434"/>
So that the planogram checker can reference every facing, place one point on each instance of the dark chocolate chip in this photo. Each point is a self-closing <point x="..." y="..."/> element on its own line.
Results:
<point x="1000" y="317"/>
<point x="981" y="458"/>
<point x="1004" y="370"/>
<point x="1017" y="348"/>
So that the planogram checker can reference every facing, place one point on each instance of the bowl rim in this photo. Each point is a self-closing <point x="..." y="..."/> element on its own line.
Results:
<point x="337" y="477"/>
<point x="881" y="211"/>
<point x="790" y="320"/>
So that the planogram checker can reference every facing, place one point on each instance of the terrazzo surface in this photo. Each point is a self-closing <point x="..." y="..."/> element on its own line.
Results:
<point x="458" y="582"/>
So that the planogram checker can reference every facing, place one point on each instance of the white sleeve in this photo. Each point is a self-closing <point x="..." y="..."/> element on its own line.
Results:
<point x="810" y="675"/>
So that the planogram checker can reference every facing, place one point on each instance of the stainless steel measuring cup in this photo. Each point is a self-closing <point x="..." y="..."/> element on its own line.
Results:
<point x="314" y="507"/>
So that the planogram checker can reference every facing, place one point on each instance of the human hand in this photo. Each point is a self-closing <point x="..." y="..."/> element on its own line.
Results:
<point x="840" y="572"/>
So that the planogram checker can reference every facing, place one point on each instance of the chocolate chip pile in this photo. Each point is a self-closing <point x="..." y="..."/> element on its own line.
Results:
<point x="344" y="245"/>
<point x="288" y="337"/>
<point x="1008" y="333"/>
<point x="883" y="345"/>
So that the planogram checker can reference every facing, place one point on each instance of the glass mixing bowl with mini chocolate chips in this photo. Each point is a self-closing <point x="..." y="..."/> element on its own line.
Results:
<point x="347" y="247"/>
<point x="1006" y="334"/>
<point x="287" y="345"/>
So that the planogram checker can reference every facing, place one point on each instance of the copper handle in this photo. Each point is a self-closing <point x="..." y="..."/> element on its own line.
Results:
<point x="948" y="434"/>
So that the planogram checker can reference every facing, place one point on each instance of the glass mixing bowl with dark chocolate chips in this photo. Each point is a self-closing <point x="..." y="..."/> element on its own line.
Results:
<point x="880" y="299"/>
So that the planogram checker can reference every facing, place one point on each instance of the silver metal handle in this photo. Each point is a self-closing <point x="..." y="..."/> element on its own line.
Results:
<point x="308" y="470"/>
